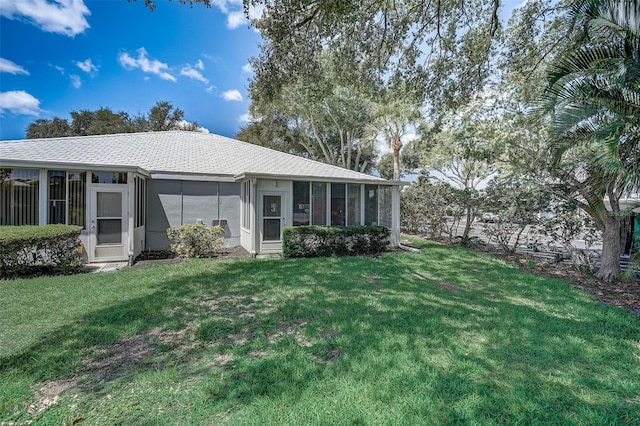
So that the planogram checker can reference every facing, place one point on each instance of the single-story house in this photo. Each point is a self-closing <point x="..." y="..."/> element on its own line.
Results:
<point x="125" y="190"/>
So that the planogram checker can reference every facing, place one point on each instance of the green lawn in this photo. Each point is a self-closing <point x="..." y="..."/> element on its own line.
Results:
<point x="448" y="336"/>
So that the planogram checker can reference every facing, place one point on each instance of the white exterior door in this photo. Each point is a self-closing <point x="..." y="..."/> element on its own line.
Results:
<point x="271" y="221"/>
<point x="108" y="226"/>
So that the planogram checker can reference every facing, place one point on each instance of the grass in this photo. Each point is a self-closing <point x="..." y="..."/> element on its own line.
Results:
<point x="449" y="336"/>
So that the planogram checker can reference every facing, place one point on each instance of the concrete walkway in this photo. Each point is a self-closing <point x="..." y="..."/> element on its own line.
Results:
<point x="105" y="267"/>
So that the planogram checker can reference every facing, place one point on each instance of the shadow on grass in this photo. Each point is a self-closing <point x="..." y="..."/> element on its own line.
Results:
<point x="480" y="340"/>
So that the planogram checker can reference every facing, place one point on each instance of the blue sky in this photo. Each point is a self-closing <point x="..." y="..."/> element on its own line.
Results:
<point x="57" y="56"/>
<point x="75" y="54"/>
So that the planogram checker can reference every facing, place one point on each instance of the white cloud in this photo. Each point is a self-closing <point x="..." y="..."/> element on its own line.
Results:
<point x="232" y="95"/>
<point x="199" y="65"/>
<point x="193" y="73"/>
<point x="11" y="67"/>
<point x="245" y="118"/>
<point x="235" y="19"/>
<point x="76" y="81"/>
<point x="66" y="17"/>
<point x="87" y="66"/>
<point x="19" y="102"/>
<point x="210" y="89"/>
<point x="247" y="68"/>
<point x="59" y="68"/>
<point x="149" y="66"/>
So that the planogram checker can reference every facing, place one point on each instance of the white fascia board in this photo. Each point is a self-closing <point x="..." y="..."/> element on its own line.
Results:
<point x="191" y="177"/>
<point x="372" y="181"/>
<point x="56" y="165"/>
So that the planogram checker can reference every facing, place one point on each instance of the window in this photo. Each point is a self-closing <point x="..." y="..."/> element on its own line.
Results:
<point x="318" y="203"/>
<point x="246" y="204"/>
<point x="338" y="204"/>
<point x="66" y="197"/>
<point x="109" y="177"/>
<point x="385" y="195"/>
<point x="301" y="203"/>
<point x="77" y="198"/>
<point x="353" y="204"/>
<point x="19" y="197"/>
<point x="57" y="196"/>
<point x="140" y="189"/>
<point x="371" y="204"/>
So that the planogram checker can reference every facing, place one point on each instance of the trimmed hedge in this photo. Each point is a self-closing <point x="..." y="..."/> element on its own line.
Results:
<point x="196" y="240"/>
<point x="323" y="241"/>
<point x="36" y="250"/>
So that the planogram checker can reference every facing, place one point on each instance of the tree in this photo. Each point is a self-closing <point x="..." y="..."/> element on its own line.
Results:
<point x="440" y="49"/>
<point x="104" y="121"/>
<point x="55" y="128"/>
<point x="321" y="119"/>
<point x="394" y="118"/>
<point x="594" y="96"/>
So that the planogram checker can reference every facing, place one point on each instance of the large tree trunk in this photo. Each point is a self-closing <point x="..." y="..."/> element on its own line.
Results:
<point x="610" y="260"/>
<point x="396" y="145"/>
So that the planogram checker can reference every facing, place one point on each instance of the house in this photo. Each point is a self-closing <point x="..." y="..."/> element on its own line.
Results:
<point x="125" y="190"/>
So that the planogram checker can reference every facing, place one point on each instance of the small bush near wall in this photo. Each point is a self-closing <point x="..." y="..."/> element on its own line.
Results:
<point x="39" y="250"/>
<point x="321" y="241"/>
<point x="196" y="240"/>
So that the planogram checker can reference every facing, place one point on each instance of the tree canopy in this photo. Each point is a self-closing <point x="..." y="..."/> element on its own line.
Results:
<point x="162" y="116"/>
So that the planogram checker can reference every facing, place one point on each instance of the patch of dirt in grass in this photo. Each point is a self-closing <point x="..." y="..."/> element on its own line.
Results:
<point x="119" y="358"/>
<point x="47" y="395"/>
<point x="448" y="287"/>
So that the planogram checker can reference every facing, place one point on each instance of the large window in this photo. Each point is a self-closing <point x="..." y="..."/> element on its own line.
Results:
<point x="371" y="204"/>
<point x="67" y="197"/>
<point x="311" y="199"/>
<point x="140" y="185"/>
<point x="385" y="195"/>
<point x="57" y="196"/>
<point x="353" y="204"/>
<point x="19" y="197"/>
<point x="338" y="204"/>
<point x="301" y="203"/>
<point x="319" y="203"/>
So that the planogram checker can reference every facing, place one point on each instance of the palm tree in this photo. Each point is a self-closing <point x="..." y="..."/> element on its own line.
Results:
<point x="594" y="94"/>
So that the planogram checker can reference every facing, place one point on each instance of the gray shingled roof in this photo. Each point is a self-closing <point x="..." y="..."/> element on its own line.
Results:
<point x="172" y="152"/>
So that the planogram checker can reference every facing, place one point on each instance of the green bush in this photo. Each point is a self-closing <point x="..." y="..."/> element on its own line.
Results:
<point x="321" y="241"/>
<point x="196" y="240"/>
<point x="35" y="250"/>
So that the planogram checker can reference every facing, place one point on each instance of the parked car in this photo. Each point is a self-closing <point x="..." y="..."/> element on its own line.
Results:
<point x="490" y="217"/>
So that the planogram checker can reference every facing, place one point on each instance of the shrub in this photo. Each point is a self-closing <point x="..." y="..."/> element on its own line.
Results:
<point x="196" y="240"/>
<point x="321" y="241"/>
<point x="32" y="250"/>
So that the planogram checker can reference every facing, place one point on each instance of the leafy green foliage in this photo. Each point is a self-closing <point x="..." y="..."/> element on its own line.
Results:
<point x="163" y="116"/>
<point x="196" y="240"/>
<point x="32" y="250"/>
<point x="430" y="208"/>
<point x="323" y="241"/>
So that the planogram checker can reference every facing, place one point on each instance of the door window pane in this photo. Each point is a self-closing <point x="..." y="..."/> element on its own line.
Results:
<point x="319" y="203"/>
<point x="109" y="231"/>
<point x="271" y="230"/>
<point x="109" y="204"/>
<point x="301" y="203"/>
<point x="109" y="177"/>
<point x="271" y="206"/>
